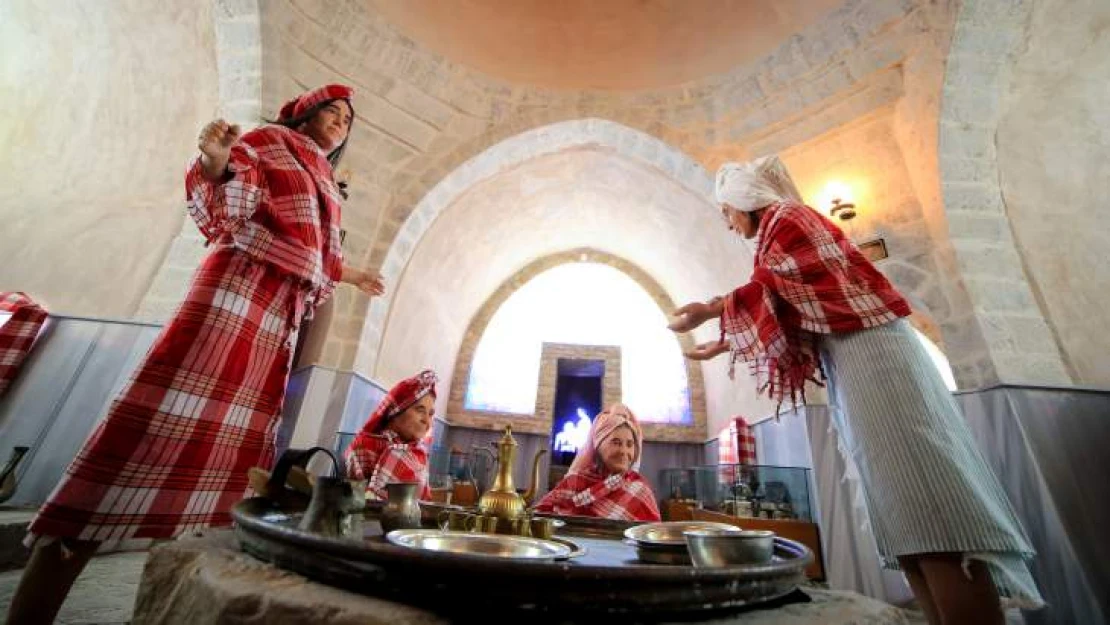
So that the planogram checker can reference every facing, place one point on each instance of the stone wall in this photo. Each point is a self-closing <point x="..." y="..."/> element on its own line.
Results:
<point x="238" y="77"/>
<point x="1053" y="159"/>
<point x="102" y="104"/>
<point x="1018" y="345"/>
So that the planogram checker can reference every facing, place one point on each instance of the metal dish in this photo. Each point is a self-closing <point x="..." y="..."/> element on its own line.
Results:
<point x="661" y="555"/>
<point x="479" y="544"/>
<point x="709" y="548"/>
<point x="669" y="534"/>
<point x="576" y="550"/>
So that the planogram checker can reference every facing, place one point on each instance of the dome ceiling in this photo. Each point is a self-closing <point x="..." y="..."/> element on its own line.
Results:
<point x="608" y="44"/>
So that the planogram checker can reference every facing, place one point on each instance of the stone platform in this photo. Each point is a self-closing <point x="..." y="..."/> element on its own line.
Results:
<point x="207" y="580"/>
<point x="13" y="528"/>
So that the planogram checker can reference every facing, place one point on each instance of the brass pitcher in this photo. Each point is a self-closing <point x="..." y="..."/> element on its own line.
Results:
<point x="501" y="500"/>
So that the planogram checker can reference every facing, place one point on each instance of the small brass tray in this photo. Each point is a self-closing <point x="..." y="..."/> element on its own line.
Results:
<point x="478" y="544"/>
<point x="669" y="534"/>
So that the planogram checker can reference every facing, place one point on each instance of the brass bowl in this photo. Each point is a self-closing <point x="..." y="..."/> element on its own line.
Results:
<point x="480" y="544"/>
<point x="714" y="548"/>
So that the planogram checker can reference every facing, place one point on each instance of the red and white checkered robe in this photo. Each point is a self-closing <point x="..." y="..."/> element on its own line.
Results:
<point x="172" y="454"/>
<point x="745" y="441"/>
<point x="18" y="334"/>
<point x="384" y="458"/>
<point x="809" y="279"/>
<point x="622" y="496"/>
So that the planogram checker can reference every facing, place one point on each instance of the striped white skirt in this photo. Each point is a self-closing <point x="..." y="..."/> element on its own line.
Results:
<point x="928" y="487"/>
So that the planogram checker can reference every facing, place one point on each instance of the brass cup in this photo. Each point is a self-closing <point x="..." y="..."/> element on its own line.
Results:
<point x="518" y="527"/>
<point x="542" y="528"/>
<point x="485" y="523"/>
<point x="456" y="521"/>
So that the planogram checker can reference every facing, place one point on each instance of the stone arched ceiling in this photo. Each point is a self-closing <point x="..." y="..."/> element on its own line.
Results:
<point x="612" y="45"/>
<point x="581" y="197"/>
<point x="422" y="113"/>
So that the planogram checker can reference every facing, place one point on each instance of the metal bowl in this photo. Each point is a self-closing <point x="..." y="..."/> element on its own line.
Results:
<point x="714" y="548"/>
<point x="479" y="544"/>
<point x="661" y="555"/>
<point x="669" y="534"/>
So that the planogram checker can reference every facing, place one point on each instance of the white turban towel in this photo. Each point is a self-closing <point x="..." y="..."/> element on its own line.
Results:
<point x="756" y="184"/>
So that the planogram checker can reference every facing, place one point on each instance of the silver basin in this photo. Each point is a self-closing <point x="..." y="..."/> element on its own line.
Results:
<point x="478" y="544"/>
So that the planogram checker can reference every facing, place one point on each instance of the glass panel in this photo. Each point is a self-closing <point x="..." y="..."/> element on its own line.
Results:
<point x="743" y="490"/>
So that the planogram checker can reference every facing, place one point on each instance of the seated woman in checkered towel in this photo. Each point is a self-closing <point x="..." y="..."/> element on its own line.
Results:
<point x="602" y="481"/>
<point x="390" y="446"/>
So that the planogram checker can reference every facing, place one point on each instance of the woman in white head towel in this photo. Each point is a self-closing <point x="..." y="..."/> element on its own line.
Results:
<point x="816" y="306"/>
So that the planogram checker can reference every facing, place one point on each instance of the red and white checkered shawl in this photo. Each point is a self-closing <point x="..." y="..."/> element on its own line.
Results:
<point x="280" y="204"/>
<point x="809" y="279"/>
<point x="384" y="458"/>
<point x="622" y="496"/>
<point x="18" y="334"/>
<point x="203" y="407"/>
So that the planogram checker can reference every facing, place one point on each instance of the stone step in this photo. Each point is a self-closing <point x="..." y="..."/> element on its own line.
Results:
<point x="13" y="528"/>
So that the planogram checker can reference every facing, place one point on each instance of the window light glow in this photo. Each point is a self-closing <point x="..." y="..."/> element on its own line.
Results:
<point x="583" y="304"/>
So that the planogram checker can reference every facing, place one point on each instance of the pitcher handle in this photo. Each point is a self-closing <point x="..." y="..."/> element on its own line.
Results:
<point x="296" y="457"/>
<point x="493" y="460"/>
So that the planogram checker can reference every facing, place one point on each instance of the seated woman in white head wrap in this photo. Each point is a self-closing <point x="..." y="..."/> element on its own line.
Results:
<point x="602" y="481"/>
<point x="815" y="307"/>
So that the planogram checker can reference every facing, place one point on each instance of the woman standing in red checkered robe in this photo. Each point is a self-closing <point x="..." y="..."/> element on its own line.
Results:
<point x="390" y="446"/>
<point x="601" y="481"/>
<point x="173" y="452"/>
<point x="815" y="305"/>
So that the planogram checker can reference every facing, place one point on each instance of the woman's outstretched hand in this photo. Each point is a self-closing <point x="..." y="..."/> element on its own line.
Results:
<point x="693" y="315"/>
<point x="215" y="141"/>
<point x="369" y="282"/>
<point x="707" y="351"/>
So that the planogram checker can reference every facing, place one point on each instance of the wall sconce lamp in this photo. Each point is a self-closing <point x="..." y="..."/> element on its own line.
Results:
<point x="837" y="196"/>
<point x="845" y="210"/>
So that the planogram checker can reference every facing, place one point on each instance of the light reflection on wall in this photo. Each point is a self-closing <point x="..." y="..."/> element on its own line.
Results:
<point x="581" y="304"/>
<point x="939" y="359"/>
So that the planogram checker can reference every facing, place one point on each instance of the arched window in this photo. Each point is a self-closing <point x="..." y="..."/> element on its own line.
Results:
<point x="583" y="304"/>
